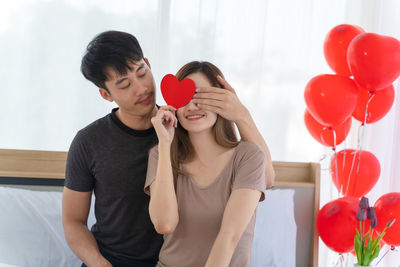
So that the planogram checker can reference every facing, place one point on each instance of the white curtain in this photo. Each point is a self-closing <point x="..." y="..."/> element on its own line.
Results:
<point x="267" y="50"/>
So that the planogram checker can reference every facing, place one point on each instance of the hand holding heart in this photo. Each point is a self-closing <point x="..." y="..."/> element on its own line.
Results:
<point x="165" y="123"/>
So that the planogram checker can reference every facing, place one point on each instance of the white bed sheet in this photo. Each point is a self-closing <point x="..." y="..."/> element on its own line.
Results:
<point x="31" y="232"/>
<point x="274" y="243"/>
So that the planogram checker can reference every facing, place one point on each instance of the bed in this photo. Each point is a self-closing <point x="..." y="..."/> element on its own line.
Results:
<point x="31" y="234"/>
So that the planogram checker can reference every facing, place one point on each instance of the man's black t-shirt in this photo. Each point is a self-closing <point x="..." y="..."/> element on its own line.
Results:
<point x="111" y="159"/>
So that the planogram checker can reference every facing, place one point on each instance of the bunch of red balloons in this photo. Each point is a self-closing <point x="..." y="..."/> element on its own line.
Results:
<point x="365" y="66"/>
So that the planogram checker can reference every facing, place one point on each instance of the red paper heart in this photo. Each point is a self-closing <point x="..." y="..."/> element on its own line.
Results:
<point x="177" y="93"/>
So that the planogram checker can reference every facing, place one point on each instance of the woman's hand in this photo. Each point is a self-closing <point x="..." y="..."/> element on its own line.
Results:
<point x="165" y="123"/>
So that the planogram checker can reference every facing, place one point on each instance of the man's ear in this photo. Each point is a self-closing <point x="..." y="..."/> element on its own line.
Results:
<point x="147" y="62"/>
<point x="105" y="94"/>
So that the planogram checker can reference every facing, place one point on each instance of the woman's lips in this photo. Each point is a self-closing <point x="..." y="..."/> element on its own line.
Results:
<point x="195" y="117"/>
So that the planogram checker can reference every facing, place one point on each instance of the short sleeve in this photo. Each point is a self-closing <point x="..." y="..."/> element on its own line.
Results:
<point x="78" y="176"/>
<point x="151" y="169"/>
<point x="250" y="169"/>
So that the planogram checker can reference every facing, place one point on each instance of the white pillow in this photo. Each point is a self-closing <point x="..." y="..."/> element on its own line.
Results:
<point x="274" y="243"/>
<point x="31" y="232"/>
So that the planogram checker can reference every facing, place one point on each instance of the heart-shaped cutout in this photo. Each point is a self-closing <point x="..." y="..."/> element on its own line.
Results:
<point x="177" y="93"/>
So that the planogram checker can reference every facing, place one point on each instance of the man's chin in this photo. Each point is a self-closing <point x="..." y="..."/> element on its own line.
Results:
<point x="147" y="108"/>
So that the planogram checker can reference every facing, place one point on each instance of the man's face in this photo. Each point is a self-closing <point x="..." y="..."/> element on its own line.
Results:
<point x="133" y="92"/>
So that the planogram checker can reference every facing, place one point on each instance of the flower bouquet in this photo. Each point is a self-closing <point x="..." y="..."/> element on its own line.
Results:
<point x="365" y="245"/>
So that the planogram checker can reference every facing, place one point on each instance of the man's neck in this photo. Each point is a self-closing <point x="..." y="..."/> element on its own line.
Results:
<point x="136" y="122"/>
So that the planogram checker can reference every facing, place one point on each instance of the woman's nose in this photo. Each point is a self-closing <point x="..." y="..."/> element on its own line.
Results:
<point x="192" y="106"/>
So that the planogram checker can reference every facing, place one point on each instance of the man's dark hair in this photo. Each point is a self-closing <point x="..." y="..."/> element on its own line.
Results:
<point x="110" y="49"/>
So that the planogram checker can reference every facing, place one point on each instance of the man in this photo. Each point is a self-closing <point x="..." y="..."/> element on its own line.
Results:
<point x="109" y="156"/>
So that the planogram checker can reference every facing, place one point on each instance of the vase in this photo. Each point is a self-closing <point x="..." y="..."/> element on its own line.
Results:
<point x="356" y="265"/>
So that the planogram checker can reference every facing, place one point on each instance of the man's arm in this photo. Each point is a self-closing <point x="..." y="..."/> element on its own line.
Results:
<point x="249" y="132"/>
<point x="75" y="211"/>
<point x="226" y="103"/>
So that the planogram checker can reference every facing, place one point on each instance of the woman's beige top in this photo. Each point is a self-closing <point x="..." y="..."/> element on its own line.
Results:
<point x="201" y="209"/>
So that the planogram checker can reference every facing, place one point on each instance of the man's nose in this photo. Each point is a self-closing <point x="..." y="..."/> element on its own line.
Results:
<point x="141" y="89"/>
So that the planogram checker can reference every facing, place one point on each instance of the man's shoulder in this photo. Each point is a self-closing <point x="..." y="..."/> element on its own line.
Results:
<point x="92" y="133"/>
<point x="95" y="126"/>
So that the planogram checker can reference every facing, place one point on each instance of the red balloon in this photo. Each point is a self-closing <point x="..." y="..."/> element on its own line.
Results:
<point x="374" y="60"/>
<point x="387" y="208"/>
<point x="335" y="47"/>
<point x="352" y="183"/>
<point x="324" y="134"/>
<point x="331" y="99"/>
<point x="378" y="107"/>
<point x="337" y="222"/>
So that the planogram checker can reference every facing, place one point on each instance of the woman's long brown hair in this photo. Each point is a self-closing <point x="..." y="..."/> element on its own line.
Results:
<point x="182" y="150"/>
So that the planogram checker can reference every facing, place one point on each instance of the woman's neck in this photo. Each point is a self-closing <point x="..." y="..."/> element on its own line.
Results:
<point x="205" y="147"/>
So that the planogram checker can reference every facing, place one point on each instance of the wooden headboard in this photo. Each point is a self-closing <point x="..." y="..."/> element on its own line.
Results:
<point x="35" y="168"/>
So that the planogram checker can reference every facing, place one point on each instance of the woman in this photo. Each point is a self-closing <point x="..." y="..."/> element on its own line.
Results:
<point x="204" y="184"/>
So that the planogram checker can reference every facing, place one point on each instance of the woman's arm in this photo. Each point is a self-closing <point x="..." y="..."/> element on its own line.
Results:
<point x="238" y="212"/>
<point x="163" y="207"/>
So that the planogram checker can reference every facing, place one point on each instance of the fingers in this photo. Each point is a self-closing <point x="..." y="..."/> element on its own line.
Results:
<point x="210" y="89"/>
<point x="215" y="96"/>
<point x="174" y="120"/>
<point x="224" y="83"/>
<point x="211" y="108"/>
<point x="167" y="117"/>
<point x="168" y="107"/>
<point x="209" y="102"/>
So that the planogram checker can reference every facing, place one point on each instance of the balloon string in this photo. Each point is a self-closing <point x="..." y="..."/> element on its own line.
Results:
<point x="360" y="142"/>
<point x="322" y="158"/>
<point x="347" y="260"/>
<point x="370" y="97"/>
<point x="348" y="178"/>
<point x="339" y="187"/>
<point x="391" y="248"/>
<point x="340" y="260"/>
